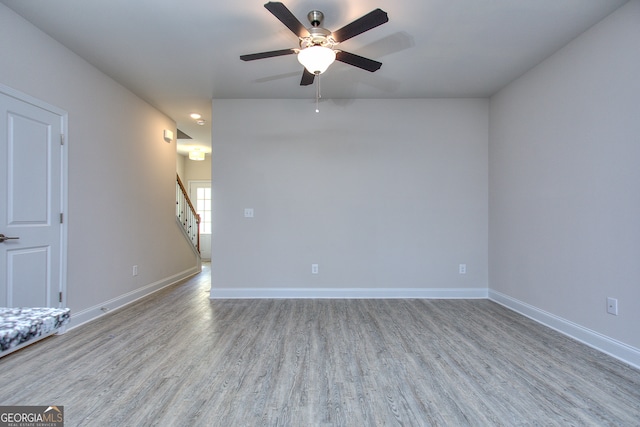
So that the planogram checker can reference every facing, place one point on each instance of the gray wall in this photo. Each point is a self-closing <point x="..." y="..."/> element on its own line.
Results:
<point x="380" y="193"/>
<point x="121" y="189"/>
<point x="197" y="170"/>
<point x="180" y="166"/>
<point x="565" y="181"/>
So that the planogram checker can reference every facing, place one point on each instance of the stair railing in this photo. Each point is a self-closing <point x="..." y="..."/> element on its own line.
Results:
<point x="187" y="215"/>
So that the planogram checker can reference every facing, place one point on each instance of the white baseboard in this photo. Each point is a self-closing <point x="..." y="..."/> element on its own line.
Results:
<point x="617" y="349"/>
<point x="348" y="293"/>
<point x="92" y="313"/>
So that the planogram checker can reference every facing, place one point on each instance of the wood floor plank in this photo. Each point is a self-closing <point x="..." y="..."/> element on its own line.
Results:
<point x="177" y="358"/>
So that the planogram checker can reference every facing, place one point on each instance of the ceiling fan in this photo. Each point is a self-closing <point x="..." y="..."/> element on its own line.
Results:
<point x="318" y="45"/>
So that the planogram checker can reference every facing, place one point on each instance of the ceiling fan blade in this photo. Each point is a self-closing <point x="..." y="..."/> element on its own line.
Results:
<point x="285" y="16"/>
<point x="360" y="25"/>
<point x="358" y="61"/>
<point x="270" y="54"/>
<point x="307" y="78"/>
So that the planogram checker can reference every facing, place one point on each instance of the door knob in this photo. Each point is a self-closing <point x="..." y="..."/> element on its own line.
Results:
<point x="3" y="238"/>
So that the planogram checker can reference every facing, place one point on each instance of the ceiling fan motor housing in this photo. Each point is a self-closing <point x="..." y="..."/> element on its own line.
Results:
<point x="318" y="36"/>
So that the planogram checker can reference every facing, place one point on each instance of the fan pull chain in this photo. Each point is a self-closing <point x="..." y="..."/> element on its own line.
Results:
<point x="318" y="93"/>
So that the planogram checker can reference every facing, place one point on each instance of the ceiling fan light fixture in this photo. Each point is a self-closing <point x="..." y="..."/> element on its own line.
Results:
<point x="316" y="59"/>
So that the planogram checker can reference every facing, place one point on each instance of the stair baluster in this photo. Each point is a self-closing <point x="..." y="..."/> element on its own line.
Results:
<point x="187" y="215"/>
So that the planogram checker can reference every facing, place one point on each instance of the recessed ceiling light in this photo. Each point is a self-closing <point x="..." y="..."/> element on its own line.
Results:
<point x="200" y="122"/>
<point x="195" y="116"/>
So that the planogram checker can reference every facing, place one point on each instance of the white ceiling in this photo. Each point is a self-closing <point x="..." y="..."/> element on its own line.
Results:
<point x="180" y="54"/>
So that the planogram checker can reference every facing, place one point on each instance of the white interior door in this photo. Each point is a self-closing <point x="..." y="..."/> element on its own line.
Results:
<point x="31" y="203"/>
<point x="200" y="195"/>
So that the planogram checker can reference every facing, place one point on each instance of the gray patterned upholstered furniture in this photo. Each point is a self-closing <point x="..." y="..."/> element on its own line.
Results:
<point x="23" y="326"/>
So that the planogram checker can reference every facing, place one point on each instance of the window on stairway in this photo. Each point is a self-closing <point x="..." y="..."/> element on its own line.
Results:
<point x="203" y="207"/>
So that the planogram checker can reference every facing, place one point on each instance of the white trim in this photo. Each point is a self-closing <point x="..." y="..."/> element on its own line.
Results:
<point x="64" y="204"/>
<point x="21" y="96"/>
<point x="197" y="181"/>
<point x="617" y="349"/>
<point x="92" y="313"/>
<point x="64" y="177"/>
<point x="349" y="293"/>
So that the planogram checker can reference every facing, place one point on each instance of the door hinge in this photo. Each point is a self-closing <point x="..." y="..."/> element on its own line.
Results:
<point x="59" y="296"/>
<point x="61" y="218"/>
<point x="62" y="139"/>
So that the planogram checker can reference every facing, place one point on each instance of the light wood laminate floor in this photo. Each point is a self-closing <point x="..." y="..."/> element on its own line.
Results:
<point x="177" y="358"/>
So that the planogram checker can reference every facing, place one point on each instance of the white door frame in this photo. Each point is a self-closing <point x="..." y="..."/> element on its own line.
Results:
<point x="64" y="203"/>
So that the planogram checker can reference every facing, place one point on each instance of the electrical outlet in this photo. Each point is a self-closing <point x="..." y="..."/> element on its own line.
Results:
<point x="612" y="306"/>
<point x="314" y="268"/>
<point x="462" y="269"/>
<point x="248" y="212"/>
<point x="135" y="270"/>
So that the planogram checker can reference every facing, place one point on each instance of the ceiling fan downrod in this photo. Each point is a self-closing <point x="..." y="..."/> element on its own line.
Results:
<point x="316" y="18"/>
